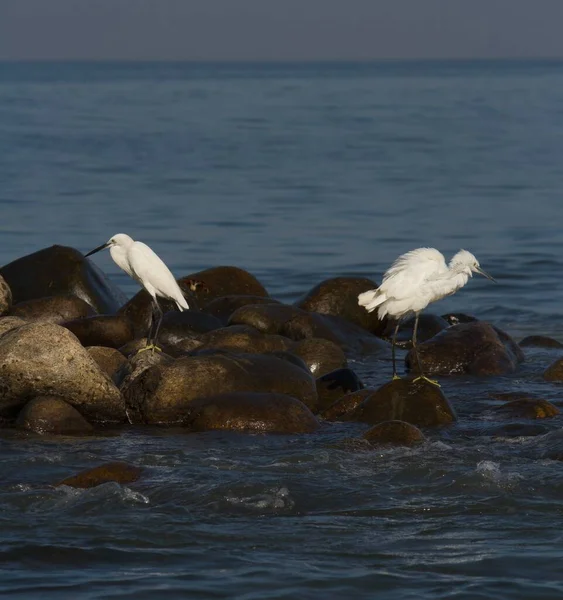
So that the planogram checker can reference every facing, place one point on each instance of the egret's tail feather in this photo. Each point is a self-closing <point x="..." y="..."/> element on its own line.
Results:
<point x="371" y="299"/>
<point x="181" y="303"/>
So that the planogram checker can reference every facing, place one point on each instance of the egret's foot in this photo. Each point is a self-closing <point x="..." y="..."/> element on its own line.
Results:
<point x="152" y="347"/>
<point x="424" y="378"/>
<point x="395" y="377"/>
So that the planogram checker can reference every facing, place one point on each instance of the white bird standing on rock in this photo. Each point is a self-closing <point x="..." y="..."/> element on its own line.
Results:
<point x="415" y="280"/>
<point x="145" y="267"/>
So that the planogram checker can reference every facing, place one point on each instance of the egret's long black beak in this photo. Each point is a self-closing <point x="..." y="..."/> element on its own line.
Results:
<point x="102" y="247"/>
<point x="480" y="271"/>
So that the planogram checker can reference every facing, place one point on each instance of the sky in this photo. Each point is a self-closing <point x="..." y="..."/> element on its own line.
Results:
<point x="279" y="29"/>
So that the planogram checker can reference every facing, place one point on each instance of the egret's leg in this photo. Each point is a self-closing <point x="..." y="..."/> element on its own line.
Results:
<point x="393" y="342"/>
<point x="159" y="314"/>
<point x="422" y="376"/>
<point x="153" y="330"/>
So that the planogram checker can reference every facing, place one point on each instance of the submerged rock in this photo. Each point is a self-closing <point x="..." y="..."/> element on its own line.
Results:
<point x="52" y="309"/>
<point x="252" y="412"/>
<point x="527" y="409"/>
<point x="338" y="296"/>
<point x="45" y="359"/>
<point x="60" y="271"/>
<point x="118" y="472"/>
<point x="162" y="393"/>
<point x="50" y="414"/>
<point x="111" y="331"/>
<point x="5" y="296"/>
<point x="419" y="403"/>
<point x="474" y="348"/>
<point x="555" y="371"/>
<point x="539" y="341"/>
<point x="332" y="386"/>
<point x="394" y="433"/>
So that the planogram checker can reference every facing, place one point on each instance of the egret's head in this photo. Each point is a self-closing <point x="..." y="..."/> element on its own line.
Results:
<point x="465" y="262"/>
<point x="121" y="240"/>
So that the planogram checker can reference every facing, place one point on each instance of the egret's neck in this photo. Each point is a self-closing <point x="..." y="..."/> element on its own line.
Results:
<point x="119" y="255"/>
<point x="453" y="280"/>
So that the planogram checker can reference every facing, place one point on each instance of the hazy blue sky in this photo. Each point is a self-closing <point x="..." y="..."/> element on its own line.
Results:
<point x="279" y="29"/>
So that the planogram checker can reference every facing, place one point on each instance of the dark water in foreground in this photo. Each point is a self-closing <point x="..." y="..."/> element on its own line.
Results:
<point x="296" y="173"/>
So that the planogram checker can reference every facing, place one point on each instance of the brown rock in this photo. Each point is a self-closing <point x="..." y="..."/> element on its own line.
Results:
<point x="474" y="348"/>
<point x="256" y="412"/>
<point x="419" y="403"/>
<point x="394" y="433"/>
<point x="49" y="414"/>
<point x="9" y="323"/>
<point x="119" y="472"/>
<point x="225" y="306"/>
<point x="334" y="385"/>
<point x="527" y="409"/>
<point x="111" y="331"/>
<point x="109" y="360"/>
<point x="136" y="364"/>
<point x="5" y="296"/>
<point x="178" y="327"/>
<point x="338" y="296"/>
<point x="60" y="271"/>
<point x="52" y="309"/>
<point x="540" y="341"/>
<point x="241" y="338"/>
<point x="555" y="371"/>
<point x="321" y="356"/>
<point x="45" y="359"/>
<point x="162" y="394"/>
<point x="345" y="407"/>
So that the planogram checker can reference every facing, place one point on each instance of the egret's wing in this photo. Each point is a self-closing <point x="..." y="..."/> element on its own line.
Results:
<point x="412" y="270"/>
<point x="151" y="272"/>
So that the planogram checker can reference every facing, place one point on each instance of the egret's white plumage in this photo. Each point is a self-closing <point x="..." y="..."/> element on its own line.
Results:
<point x="416" y="279"/>
<point x="146" y="267"/>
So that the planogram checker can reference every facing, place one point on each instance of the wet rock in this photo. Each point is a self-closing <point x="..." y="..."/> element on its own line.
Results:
<point x="45" y="359"/>
<point x="291" y="358"/>
<point x="109" y="360"/>
<point x="428" y="326"/>
<point x="511" y="430"/>
<point x="394" y="433"/>
<point x="52" y="309"/>
<point x="118" y="472"/>
<point x="474" y="348"/>
<point x="419" y="403"/>
<point x="338" y="296"/>
<point x="457" y="318"/>
<point x="60" y="271"/>
<point x="527" y="409"/>
<point x="253" y="412"/>
<point x="112" y="331"/>
<point x="50" y="414"/>
<point x="209" y="284"/>
<point x="320" y="356"/>
<point x="334" y="385"/>
<point x="555" y="371"/>
<point x="9" y="323"/>
<point x="345" y="407"/>
<point x="241" y="338"/>
<point x="539" y="341"/>
<point x="5" y="296"/>
<point x="162" y="394"/>
<point x="224" y="306"/>
<point x="177" y="327"/>
<point x="137" y="363"/>
<point x="508" y="396"/>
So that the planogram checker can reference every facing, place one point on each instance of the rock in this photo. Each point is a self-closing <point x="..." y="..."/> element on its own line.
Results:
<point x="50" y="414"/>
<point x="109" y="360"/>
<point x="338" y="296"/>
<point x="419" y="403"/>
<point x="52" y="309"/>
<point x="241" y="338"/>
<point x="255" y="412"/>
<point x="162" y="394"/>
<point x="40" y="359"/>
<point x="320" y="356"/>
<point x="394" y="433"/>
<point x="136" y="364"/>
<point x="5" y="296"/>
<point x="474" y="348"/>
<point x="507" y="396"/>
<point x="428" y="326"/>
<point x="291" y="358"/>
<point x="345" y="407"/>
<point x="511" y="430"/>
<point x="9" y="323"/>
<point x="555" y="371"/>
<point x="217" y="282"/>
<point x="118" y="472"/>
<point x="111" y="331"/>
<point x="224" y="306"/>
<point x="457" y="318"/>
<point x="540" y="341"/>
<point x="334" y="385"/>
<point x="177" y="326"/>
<point x="527" y="409"/>
<point x="60" y="271"/>
<point x="297" y="324"/>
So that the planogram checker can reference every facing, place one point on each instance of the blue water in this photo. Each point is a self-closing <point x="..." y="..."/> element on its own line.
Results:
<point x="297" y="173"/>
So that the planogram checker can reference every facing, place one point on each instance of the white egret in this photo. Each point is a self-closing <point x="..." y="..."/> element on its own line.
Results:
<point x="413" y="281"/>
<point x="143" y="265"/>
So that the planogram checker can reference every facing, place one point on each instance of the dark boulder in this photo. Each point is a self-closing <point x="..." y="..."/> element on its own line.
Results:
<point x="334" y="385"/>
<point x="118" y="472"/>
<point x="224" y="306"/>
<point x="50" y="414"/>
<point x="321" y="356"/>
<point x="527" y="409"/>
<point x="52" y="309"/>
<point x="428" y="326"/>
<point x="109" y="360"/>
<point x="345" y="407"/>
<point x="112" y="331"/>
<point x="394" y="433"/>
<point x="539" y="341"/>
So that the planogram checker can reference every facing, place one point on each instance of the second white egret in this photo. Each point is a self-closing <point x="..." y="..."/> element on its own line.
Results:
<point x="145" y="267"/>
<point x="413" y="281"/>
